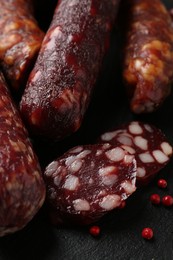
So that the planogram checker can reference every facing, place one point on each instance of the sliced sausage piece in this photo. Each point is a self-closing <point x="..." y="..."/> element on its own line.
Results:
<point x="147" y="143"/>
<point x="22" y="190"/>
<point x="148" y="54"/>
<point x="20" y="40"/>
<point x="89" y="181"/>
<point x="60" y="85"/>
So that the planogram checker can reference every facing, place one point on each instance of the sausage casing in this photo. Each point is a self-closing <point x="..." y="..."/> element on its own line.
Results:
<point x="60" y="85"/>
<point x="148" y="54"/>
<point x="22" y="190"/>
<point x="20" y="40"/>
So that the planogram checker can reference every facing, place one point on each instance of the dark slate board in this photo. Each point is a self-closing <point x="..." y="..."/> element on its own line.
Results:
<point x="120" y="237"/>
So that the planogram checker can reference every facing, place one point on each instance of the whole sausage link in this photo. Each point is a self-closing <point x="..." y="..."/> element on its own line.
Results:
<point x="148" y="55"/>
<point x="20" y="40"/>
<point x="22" y="190"/>
<point x="60" y="85"/>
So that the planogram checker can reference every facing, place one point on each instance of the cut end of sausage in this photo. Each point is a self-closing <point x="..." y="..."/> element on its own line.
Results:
<point x="148" y="144"/>
<point x="89" y="181"/>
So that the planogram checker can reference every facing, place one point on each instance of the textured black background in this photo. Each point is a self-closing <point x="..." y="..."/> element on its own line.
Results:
<point x="120" y="237"/>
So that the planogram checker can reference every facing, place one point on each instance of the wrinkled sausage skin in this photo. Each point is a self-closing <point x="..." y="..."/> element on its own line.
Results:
<point x="60" y="85"/>
<point x="20" y="40"/>
<point x="148" y="54"/>
<point x="22" y="190"/>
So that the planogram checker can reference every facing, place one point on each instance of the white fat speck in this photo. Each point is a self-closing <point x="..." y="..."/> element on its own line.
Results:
<point x="128" y="158"/>
<point x="141" y="142"/>
<point x="160" y="156"/>
<point x="71" y="183"/>
<point x="166" y="148"/>
<point x="107" y="170"/>
<point x="90" y="181"/>
<point x="148" y="128"/>
<point x="92" y="164"/>
<point x="69" y="160"/>
<point x="81" y="205"/>
<point x="72" y="3"/>
<point x="36" y="76"/>
<point x="110" y="202"/>
<point x="1" y="169"/>
<point x="108" y="136"/>
<point x="141" y="172"/>
<point x="128" y="149"/>
<point x="56" y="32"/>
<point x="51" y="168"/>
<point x="115" y="154"/>
<point x="57" y="180"/>
<point x="75" y="166"/>
<point x="99" y="152"/>
<point x="138" y="63"/>
<point x="70" y="38"/>
<point x="102" y="193"/>
<point x="58" y="170"/>
<point x="51" y="44"/>
<point x="128" y="187"/>
<point x="76" y="149"/>
<point x="125" y="140"/>
<point x="15" y="145"/>
<point x="21" y="145"/>
<point x="83" y="154"/>
<point x="106" y="146"/>
<point x="134" y="128"/>
<point x="110" y="179"/>
<point x="146" y="158"/>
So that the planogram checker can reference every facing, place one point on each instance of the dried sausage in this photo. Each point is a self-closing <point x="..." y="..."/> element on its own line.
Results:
<point x="147" y="143"/>
<point x="148" y="54"/>
<point x="88" y="181"/>
<point x="20" y="40"/>
<point x="22" y="190"/>
<point x="60" y="85"/>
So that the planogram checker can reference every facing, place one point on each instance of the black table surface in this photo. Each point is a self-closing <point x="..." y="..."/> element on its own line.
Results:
<point x="120" y="237"/>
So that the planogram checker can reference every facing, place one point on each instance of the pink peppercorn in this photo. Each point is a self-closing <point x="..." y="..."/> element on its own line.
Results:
<point x="162" y="183"/>
<point x="94" y="231"/>
<point x="155" y="199"/>
<point x="167" y="200"/>
<point x="147" y="233"/>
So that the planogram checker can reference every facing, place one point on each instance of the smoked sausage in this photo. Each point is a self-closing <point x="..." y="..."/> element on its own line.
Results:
<point x="22" y="190"/>
<point x="60" y="85"/>
<point x="147" y="143"/>
<point x="20" y="40"/>
<point x="148" y="53"/>
<point x="88" y="181"/>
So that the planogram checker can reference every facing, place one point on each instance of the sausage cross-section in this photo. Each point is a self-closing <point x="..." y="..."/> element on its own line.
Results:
<point x="147" y="143"/>
<point x="20" y="40"/>
<point x="148" y="53"/>
<point x="60" y="85"/>
<point x="88" y="181"/>
<point x="22" y="190"/>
